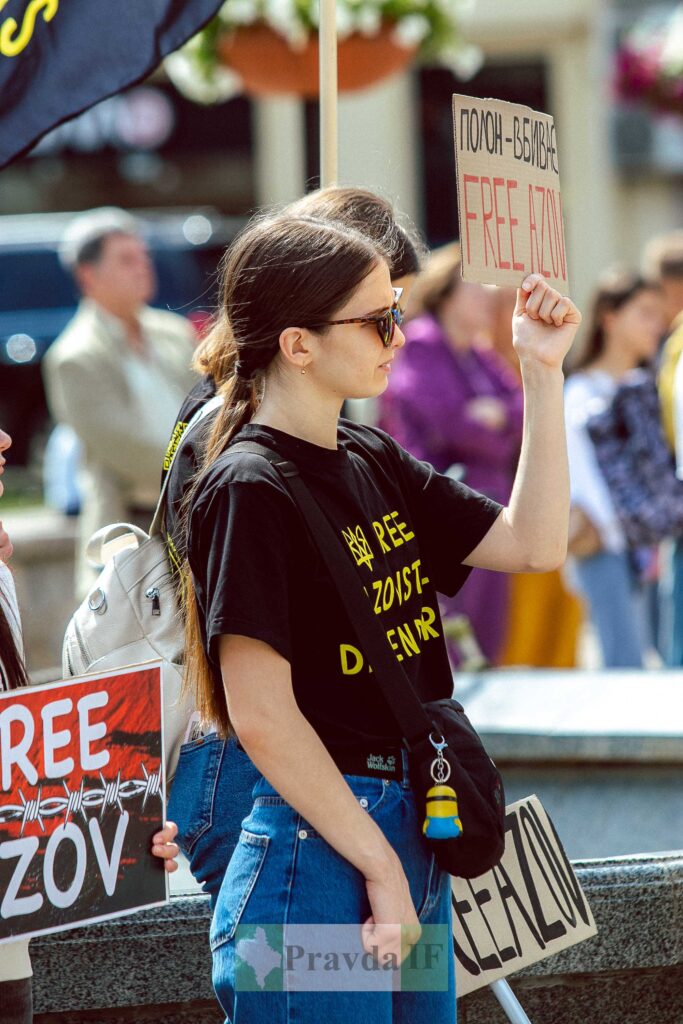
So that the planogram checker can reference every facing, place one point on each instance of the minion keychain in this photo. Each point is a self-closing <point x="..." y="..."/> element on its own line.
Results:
<point x="442" y="821"/>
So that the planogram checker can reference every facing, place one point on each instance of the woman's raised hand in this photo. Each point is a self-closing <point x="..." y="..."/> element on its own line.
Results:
<point x="393" y="927"/>
<point x="544" y="323"/>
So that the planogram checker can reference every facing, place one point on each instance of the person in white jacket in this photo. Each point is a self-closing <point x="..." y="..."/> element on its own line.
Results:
<point x="16" y="998"/>
<point x="622" y="332"/>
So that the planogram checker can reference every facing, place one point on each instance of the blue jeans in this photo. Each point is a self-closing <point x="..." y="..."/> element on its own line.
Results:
<point x="617" y="607"/>
<point x="210" y="795"/>
<point x="283" y="873"/>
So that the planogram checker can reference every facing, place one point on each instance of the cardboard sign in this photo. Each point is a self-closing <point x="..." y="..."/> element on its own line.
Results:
<point x="524" y="910"/>
<point x="509" y="200"/>
<point x="81" y="795"/>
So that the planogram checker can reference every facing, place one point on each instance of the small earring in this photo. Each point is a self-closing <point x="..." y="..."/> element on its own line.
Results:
<point x="303" y="371"/>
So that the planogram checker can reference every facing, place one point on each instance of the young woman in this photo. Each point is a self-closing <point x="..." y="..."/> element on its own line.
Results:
<point x="208" y="829"/>
<point x="623" y="332"/>
<point x="454" y="401"/>
<point x="16" y="999"/>
<point x="271" y="653"/>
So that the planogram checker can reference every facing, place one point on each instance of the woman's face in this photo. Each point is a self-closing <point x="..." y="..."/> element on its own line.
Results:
<point x="5" y="442"/>
<point x="349" y="360"/>
<point x="638" y="325"/>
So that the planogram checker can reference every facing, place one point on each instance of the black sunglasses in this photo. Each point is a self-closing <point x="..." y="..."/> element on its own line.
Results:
<point x="385" y="323"/>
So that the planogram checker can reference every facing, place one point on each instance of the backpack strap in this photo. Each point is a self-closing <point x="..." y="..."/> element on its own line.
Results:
<point x="201" y="413"/>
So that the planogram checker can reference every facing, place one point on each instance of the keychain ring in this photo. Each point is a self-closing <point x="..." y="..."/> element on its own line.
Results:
<point x="443" y="770"/>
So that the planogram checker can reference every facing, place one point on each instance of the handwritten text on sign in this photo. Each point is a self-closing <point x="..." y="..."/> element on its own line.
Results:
<point x="509" y="200"/>
<point x="524" y="910"/>
<point x="81" y="794"/>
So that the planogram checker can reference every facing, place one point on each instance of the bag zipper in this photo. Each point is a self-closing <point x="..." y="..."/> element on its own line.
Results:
<point x="153" y="594"/>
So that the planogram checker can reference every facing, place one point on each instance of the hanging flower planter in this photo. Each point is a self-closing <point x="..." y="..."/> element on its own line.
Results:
<point x="649" y="61"/>
<point x="268" y="65"/>
<point x="270" y="47"/>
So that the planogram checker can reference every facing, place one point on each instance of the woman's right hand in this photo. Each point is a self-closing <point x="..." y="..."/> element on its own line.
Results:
<point x="393" y="927"/>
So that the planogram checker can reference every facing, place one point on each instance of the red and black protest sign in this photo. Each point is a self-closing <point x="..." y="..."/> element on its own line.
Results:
<point x="81" y="795"/>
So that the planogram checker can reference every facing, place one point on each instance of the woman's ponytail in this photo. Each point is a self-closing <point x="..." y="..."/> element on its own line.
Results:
<point x="280" y="272"/>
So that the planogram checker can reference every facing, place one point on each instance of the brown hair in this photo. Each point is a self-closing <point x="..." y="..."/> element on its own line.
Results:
<point x="357" y="208"/>
<point x="437" y="282"/>
<point x="615" y="289"/>
<point x="280" y="272"/>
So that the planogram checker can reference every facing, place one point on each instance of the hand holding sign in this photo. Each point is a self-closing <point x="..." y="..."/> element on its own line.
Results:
<point x="544" y="323"/>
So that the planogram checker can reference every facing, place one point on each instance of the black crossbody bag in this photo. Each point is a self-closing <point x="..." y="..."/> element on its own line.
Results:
<point x="450" y="771"/>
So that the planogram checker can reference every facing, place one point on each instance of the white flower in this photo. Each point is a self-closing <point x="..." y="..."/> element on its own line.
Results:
<point x="241" y="12"/>
<point x="368" y="21"/>
<point x="411" y="31"/>
<point x="188" y="80"/>
<point x="282" y="16"/>
<point x="464" y="60"/>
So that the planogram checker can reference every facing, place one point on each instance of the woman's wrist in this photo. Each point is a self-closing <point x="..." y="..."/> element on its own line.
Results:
<point x="378" y="862"/>
<point x="536" y="373"/>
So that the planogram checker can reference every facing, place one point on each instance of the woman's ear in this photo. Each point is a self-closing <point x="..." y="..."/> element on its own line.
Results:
<point x="295" y="347"/>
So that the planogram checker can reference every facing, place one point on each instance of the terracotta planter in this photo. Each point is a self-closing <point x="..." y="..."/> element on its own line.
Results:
<point x="268" y="66"/>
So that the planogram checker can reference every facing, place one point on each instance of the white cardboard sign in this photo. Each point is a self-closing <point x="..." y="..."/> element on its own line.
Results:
<point x="526" y="909"/>
<point x="509" y="199"/>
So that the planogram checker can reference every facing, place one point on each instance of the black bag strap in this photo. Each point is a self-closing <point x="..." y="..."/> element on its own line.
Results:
<point x="392" y="678"/>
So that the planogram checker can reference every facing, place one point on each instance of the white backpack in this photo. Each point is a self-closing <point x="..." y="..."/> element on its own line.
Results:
<point x="132" y="615"/>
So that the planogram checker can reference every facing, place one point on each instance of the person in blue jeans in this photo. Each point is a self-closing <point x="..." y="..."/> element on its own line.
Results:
<point x="333" y="839"/>
<point x="220" y="769"/>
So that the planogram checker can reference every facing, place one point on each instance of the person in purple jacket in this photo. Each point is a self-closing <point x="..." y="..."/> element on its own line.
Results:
<point x="456" y="404"/>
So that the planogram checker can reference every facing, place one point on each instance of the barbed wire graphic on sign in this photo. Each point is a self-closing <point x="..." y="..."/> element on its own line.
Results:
<point x="110" y="794"/>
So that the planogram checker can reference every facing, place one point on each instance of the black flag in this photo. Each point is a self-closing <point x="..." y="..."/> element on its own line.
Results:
<point x="59" y="57"/>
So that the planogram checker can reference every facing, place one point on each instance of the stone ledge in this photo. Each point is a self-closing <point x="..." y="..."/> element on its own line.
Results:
<point x="567" y="715"/>
<point x="160" y="958"/>
<point x="41" y="534"/>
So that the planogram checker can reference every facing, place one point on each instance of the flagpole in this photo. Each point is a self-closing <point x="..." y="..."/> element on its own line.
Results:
<point x="328" y="93"/>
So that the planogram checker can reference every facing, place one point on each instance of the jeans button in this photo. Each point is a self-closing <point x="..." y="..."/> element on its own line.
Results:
<point x="303" y="834"/>
<point x="363" y="801"/>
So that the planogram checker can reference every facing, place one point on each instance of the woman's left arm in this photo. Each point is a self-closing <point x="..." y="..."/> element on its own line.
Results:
<point x="530" y="534"/>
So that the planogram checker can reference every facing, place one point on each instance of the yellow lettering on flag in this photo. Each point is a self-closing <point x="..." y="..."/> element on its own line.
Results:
<point x="15" y="39"/>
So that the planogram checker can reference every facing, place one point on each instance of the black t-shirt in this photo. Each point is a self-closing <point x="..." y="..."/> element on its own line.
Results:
<point x="257" y="573"/>
<point x="185" y="464"/>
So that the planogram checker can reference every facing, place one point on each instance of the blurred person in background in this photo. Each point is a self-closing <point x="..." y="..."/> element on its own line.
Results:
<point x="663" y="262"/>
<point x="622" y="332"/>
<point x="16" y="993"/>
<point x="117" y="374"/>
<point x="537" y="601"/>
<point x="455" y="403"/>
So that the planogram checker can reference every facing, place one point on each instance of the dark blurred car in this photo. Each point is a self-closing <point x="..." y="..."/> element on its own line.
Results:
<point x="38" y="298"/>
